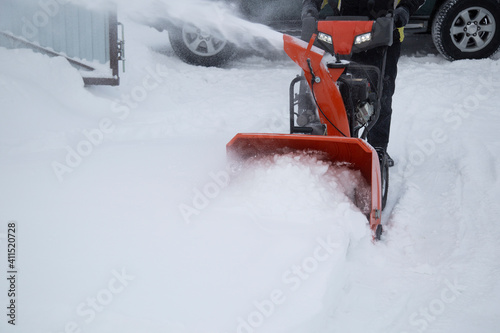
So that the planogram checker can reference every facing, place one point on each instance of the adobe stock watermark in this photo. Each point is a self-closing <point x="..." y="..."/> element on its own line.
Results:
<point x="89" y="309"/>
<point x="452" y="118"/>
<point x="425" y="316"/>
<point x="203" y="195"/>
<point x="292" y="279"/>
<point x="41" y="18"/>
<point x="121" y="109"/>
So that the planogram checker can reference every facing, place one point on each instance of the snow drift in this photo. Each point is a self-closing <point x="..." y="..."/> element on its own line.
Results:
<point x="105" y="247"/>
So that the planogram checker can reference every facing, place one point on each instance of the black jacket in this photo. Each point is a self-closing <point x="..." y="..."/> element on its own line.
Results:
<point x="371" y="8"/>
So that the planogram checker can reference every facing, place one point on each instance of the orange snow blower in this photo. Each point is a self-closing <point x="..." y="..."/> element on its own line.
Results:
<point x="334" y="103"/>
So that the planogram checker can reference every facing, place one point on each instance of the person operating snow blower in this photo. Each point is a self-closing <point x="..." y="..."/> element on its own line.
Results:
<point x="336" y="100"/>
<point x="378" y="137"/>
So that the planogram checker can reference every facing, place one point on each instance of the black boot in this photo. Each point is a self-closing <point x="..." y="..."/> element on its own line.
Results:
<point x="383" y="152"/>
<point x="390" y="161"/>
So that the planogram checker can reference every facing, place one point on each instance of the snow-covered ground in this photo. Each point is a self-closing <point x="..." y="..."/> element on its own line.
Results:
<point x="127" y="219"/>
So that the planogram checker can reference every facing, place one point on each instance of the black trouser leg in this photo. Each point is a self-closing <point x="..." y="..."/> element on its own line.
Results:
<point x="379" y="134"/>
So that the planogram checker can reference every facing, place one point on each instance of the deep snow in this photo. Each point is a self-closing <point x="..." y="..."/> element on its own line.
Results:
<point x="105" y="243"/>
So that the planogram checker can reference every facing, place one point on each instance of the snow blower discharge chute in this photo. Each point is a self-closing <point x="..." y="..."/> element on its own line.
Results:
<point x="334" y="103"/>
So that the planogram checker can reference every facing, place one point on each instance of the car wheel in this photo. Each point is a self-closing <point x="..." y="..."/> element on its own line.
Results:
<point x="200" y="46"/>
<point x="467" y="29"/>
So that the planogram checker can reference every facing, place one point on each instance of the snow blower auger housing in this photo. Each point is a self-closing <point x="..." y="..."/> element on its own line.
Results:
<point x="334" y="103"/>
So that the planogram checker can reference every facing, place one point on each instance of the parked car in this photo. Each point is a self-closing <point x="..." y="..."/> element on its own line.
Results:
<point x="461" y="29"/>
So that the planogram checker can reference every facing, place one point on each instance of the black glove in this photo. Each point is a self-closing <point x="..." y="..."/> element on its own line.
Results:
<point x="310" y="12"/>
<point x="401" y="16"/>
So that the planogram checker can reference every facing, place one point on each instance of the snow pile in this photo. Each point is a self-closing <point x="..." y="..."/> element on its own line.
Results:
<point x="306" y="185"/>
<point x="275" y="234"/>
<point x="112" y="226"/>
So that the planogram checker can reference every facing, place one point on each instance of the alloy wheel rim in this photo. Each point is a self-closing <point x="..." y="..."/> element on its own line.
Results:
<point x="473" y="29"/>
<point x="202" y="42"/>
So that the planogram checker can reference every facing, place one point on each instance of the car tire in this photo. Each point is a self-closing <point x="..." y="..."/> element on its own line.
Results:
<point x="200" y="46"/>
<point x="467" y="29"/>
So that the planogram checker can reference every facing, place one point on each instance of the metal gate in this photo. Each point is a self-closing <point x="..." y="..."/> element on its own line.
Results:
<point x="87" y="38"/>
